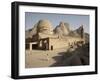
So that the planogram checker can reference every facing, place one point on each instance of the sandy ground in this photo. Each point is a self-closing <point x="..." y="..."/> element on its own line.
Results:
<point x="41" y="58"/>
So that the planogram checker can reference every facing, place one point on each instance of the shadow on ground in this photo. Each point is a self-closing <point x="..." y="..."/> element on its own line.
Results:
<point x="80" y="56"/>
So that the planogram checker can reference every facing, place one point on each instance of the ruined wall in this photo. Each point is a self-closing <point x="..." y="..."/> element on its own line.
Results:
<point x="57" y="43"/>
<point x="61" y="43"/>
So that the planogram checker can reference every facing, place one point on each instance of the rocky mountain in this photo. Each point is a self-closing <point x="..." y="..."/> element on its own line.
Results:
<point x="78" y="32"/>
<point x="86" y="36"/>
<point x="42" y="26"/>
<point x="45" y="26"/>
<point x="62" y="29"/>
<point x="29" y="33"/>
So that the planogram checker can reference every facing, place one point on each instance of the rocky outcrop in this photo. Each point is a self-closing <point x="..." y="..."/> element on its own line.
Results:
<point x="80" y="56"/>
<point x="62" y="29"/>
<point x="86" y="37"/>
<point x="29" y="33"/>
<point x="78" y="32"/>
<point x="45" y="26"/>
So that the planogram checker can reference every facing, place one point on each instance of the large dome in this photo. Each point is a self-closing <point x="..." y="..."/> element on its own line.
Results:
<point x="45" y="26"/>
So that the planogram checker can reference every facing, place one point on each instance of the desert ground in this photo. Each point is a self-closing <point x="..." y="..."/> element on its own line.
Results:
<point x="41" y="58"/>
<point x="58" y="57"/>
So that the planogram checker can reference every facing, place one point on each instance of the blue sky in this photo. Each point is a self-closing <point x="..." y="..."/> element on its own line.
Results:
<point x="75" y="21"/>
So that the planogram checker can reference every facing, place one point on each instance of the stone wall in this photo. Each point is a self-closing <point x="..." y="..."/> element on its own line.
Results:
<point x="61" y="43"/>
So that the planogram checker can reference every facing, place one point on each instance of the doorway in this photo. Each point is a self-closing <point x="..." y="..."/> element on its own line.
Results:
<point x="51" y="47"/>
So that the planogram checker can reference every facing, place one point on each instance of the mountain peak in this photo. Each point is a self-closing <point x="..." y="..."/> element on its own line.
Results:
<point x="78" y="32"/>
<point x="62" y="28"/>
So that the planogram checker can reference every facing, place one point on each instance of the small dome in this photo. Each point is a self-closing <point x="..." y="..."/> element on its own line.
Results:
<point x="44" y="26"/>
